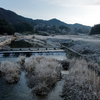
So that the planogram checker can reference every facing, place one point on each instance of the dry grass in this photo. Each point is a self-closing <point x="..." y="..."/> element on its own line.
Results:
<point x="21" y="60"/>
<point x="30" y="65"/>
<point x="82" y="83"/>
<point x="43" y="73"/>
<point x="10" y="71"/>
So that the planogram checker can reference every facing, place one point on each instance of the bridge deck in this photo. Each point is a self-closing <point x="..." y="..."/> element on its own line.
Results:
<point x="27" y="53"/>
<point x="33" y="51"/>
<point x="29" y="49"/>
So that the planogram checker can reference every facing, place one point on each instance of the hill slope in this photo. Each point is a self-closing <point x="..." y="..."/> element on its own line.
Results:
<point x="14" y="18"/>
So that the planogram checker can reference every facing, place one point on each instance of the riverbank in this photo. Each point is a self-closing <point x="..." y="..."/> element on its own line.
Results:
<point x="6" y="40"/>
<point x="88" y="46"/>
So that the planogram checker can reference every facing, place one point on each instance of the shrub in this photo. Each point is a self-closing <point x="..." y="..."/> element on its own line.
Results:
<point x="65" y="64"/>
<point x="95" y="67"/>
<point x="44" y="74"/>
<point x="21" y="60"/>
<point x="10" y="71"/>
<point x="81" y="83"/>
<point x="30" y="65"/>
<point x="33" y="37"/>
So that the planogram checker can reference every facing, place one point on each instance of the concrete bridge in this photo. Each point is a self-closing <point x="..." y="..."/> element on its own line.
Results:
<point x="30" y="49"/>
<point x="4" y="52"/>
<point x="39" y="51"/>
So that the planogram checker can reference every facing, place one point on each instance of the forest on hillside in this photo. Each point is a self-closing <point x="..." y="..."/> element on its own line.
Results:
<point x="5" y="27"/>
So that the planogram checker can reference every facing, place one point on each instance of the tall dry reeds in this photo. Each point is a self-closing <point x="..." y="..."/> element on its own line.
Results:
<point x="82" y="83"/>
<point x="10" y="71"/>
<point x="43" y="73"/>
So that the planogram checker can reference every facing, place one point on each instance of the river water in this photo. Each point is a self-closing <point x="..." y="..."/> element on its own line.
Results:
<point x="20" y="90"/>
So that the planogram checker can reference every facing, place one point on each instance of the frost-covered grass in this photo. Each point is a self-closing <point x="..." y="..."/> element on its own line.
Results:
<point x="42" y="74"/>
<point x="30" y="65"/>
<point x="21" y="60"/>
<point x="3" y="38"/>
<point x="82" y="83"/>
<point x="10" y="71"/>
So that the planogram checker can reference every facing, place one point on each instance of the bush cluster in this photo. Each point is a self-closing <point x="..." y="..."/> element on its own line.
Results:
<point x="10" y="71"/>
<point x="82" y="82"/>
<point x="42" y="74"/>
<point x="21" y="60"/>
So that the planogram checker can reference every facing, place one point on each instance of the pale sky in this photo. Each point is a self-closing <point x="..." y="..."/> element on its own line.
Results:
<point x="86" y="12"/>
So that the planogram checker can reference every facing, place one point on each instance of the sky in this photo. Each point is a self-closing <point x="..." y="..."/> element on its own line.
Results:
<point x="86" y="12"/>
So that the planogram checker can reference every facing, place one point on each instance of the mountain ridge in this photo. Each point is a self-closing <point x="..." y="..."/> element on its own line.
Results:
<point x="9" y="14"/>
<point x="14" y="18"/>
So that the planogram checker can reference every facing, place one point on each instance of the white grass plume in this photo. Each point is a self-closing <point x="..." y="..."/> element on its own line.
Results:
<point x="10" y="71"/>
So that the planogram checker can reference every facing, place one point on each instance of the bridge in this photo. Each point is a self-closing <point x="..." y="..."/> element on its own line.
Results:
<point x="6" y="52"/>
<point x="30" y="49"/>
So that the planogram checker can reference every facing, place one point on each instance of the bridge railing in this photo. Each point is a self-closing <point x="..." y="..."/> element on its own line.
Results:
<point x="29" y="49"/>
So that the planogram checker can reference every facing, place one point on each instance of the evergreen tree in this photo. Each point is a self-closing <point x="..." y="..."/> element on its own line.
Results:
<point x="5" y="27"/>
<point x="95" y="29"/>
<point x="24" y="27"/>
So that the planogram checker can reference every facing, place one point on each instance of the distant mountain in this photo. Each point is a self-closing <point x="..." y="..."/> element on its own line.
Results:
<point x="56" y="22"/>
<point x="79" y="28"/>
<point x="14" y="18"/>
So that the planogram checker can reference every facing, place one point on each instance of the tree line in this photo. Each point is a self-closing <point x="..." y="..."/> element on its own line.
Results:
<point x="95" y="29"/>
<point x="10" y="29"/>
<point x="5" y="27"/>
<point x="25" y="27"/>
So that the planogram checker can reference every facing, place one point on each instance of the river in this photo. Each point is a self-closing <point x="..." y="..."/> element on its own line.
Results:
<point x="20" y="90"/>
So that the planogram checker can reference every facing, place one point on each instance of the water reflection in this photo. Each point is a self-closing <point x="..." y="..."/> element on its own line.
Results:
<point x="18" y="91"/>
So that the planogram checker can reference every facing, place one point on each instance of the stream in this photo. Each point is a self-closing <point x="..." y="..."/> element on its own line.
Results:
<point x="20" y="90"/>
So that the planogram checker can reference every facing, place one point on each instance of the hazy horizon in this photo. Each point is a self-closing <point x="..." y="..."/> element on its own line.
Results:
<point x="83" y="12"/>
